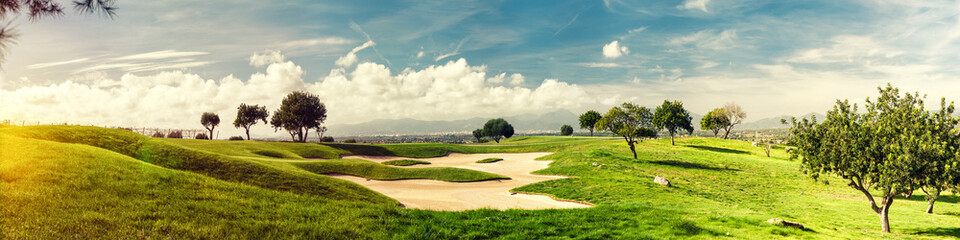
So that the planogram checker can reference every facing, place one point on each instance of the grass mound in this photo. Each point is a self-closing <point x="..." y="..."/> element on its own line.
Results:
<point x="490" y="160"/>
<point x="373" y="170"/>
<point x="404" y="162"/>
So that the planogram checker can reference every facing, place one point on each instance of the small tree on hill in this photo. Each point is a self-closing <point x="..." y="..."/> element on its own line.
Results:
<point x="497" y="129"/>
<point x="589" y="120"/>
<point x="714" y="121"/>
<point x="478" y="134"/>
<point x="672" y="116"/>
<point x="942" y="170"/>
<point x="248" y="115"/>
<point x="735" y="115"/>
<point x="320" y="130"/>
<point x="630" y="122"/>
<point x="210" y="121"/>
<point x="298" y="114"/>
<point x="566" y="130"/>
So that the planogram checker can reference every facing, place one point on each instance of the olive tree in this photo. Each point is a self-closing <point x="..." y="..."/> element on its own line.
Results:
<point x="248" y="115"/>
<point x="298" y="114"/>
<point x="210" y="121"/>
<point x="672" y="117"/>
<point x="715" y="121"/>
<point x="885" y="148"/>
<point x="735" y="115"/>
<point x="942" y="170"/>
<point x="566" y="130"/>
<point x="478" y="134"/>
<point x="589" y="119"/>
<point x="630" y="122"/>
<point x="497" y="129"/>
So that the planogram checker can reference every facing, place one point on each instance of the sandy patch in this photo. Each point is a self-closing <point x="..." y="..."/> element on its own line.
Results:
<point x="451" y="196"/>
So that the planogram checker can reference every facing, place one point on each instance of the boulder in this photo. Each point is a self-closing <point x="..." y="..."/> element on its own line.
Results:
<point x="661" y="180"/>
<point x="785" y="223"/>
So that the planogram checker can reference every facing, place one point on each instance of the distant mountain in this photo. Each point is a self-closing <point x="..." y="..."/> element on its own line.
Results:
<point x="521" y="123"/>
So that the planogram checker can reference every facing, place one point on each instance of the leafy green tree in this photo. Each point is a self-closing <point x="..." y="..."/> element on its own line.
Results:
<point x="588" y="120"/>
<point x="248" y="115"/>
<point x="630" y="122"/>
<point x="497" y="129"/>
<point x="210" y="121"/>
<point x="714" y="121"/>
<point x="478" y="134"/>
<point x="672" y="117"/>
<point x="885" y="148"/>
<point x="942" y="170"/>
<point x="298" y="114"/>
<point x="566" y="130"/>
<point x="735" y="115"/>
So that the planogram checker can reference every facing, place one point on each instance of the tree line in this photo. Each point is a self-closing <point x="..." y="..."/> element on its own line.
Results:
<point x="299" y="113"/>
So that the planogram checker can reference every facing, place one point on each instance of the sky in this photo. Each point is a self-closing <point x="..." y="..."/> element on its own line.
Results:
<point x="163" y="63"/>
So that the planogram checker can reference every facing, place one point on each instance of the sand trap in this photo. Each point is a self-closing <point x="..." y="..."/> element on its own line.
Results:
<point x="451" y="196"/>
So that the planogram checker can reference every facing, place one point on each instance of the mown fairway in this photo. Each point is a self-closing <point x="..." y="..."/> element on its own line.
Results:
<point x="87" y="182"/>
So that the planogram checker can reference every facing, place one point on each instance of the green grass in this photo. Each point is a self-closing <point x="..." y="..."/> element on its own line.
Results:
<point x="489" y="160"/>
<point x="116" y="185"/>
<point x="404" y="162"/>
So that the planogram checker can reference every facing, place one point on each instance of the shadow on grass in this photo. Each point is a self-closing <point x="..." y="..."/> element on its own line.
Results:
<point x="955" y="214"/>
<point x="923" y="198"/>
<point x="940" y="231"/>
<point x="719" y="150"/>
<point x="692" y="165"/>
<point x="362" y="149"/>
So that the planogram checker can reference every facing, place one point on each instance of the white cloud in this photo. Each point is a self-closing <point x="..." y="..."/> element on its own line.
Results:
<point x="566" y="25"/>
<point x="176" y="99"/>
<point x="160" y="55"/>
<point x="708" y="40"/>
<point x="315" y="42"/>
<point x="53" y="64"/>
<point x="614" y="50"/>
<point x="695" y="4"/>
<point x="845" y="49"/>
<point x="351" y="57"/>
<point x="266" y="57"/>
<point x="420" y="54"/>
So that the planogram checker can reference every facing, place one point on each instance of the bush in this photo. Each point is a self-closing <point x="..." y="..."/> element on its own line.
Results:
<point x="350" y="141"/>
<point x="490" y="160"/>
<point x="326" y="139"/>
<point x="175" y="134"/>
<point x="236" y="138"/>
<point x="157" y="135"/>
<point x="404" y="162"/>
<point x="202" y="136"/>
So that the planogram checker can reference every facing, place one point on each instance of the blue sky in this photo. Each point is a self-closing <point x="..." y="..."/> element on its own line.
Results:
<point x="772" y="57"/>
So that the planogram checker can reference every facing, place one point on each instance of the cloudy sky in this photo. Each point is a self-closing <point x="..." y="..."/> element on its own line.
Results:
<point x="163" y="63"/>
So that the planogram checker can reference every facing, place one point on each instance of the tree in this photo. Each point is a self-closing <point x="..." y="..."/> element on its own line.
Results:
<point x="497" y="129"/>
<point x="36" y="9"/>
<point x="320" y="130"/>
<point x="630" y="122"/>
<point x="714" y="121"/>
<point x="883" y="149"/>
<point x="672" y="116"/>
<point x="942" y="170"/>
<point x="735" y="115"/>
<point x="210" y="121"/>
<point x="566" y="130"/>
<point x="589" y="119"/>
<point x="478" y="134"/>
<point x="298" y="114"/>
<point x="247" y="116"/>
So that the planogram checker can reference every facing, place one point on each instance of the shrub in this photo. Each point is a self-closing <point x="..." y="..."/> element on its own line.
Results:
<point x="350" y="141"/>
<point x="326" y="139"/>
<point x="175" y="134"/>
<point x="157" y="134"/>
<point x="404" y="162"/>
<point x="236" y="138"/>
<point x="201" y="136"/>
<point x="490" y="160"/>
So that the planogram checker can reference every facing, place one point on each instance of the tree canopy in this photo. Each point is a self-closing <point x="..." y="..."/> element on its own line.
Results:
<point x="210" y="121"/>
<point x="566" y="130"/>
<point x="672" y="117"/>
<point x="715" y="121"/>
<point x="887" y="148"/>
<point x="497" y="129"/>
<point x="735" y="115"/>
<point x="588" y="120"/>
<point x="478" y="134"/>
<point x="630" y="122"/>
<point x="248" y="115"/>
<point x="298" y="114"/>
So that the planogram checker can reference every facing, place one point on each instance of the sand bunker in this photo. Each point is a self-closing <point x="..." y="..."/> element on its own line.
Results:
<point x="451" y="196"/>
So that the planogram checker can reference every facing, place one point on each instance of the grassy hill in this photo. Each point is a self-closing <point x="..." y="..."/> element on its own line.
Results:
<point x="87" y="182"/>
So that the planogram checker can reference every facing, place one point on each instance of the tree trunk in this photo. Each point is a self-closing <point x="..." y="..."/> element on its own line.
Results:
<point x="884" y="212"/>
<point x="930" y="206"/>
<point x="671" y="140"/>
<point x="725" y="133"/>
<point x="211" y="134"/>
<point x="248" y="133"/>
<point x="591" y="132"/>
<point x="633" y="149"/>
<point x="306" y="134"/>
<point x="932" y="196"/>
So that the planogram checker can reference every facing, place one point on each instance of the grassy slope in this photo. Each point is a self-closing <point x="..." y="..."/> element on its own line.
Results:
<point x="405" y="162"/>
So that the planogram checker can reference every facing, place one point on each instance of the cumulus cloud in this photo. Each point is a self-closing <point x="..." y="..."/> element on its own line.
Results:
<point x="175" y="99"/>
<point x="266" y="57"/>
<point x="614" y="50"/>
<point x="351" y="57"/>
